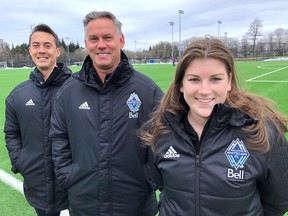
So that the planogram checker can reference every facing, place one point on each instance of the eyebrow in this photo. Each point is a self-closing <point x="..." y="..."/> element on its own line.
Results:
<point x="36" y="42"/>
<point x="218" y="74"/>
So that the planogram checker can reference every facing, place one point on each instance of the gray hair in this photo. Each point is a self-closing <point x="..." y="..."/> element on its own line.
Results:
<point x="102" y="14"/>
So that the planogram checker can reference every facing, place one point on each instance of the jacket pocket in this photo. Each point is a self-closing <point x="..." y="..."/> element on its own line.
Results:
<point x="64" y="177"/>
<point x="162" y="209"/>
<point x="17" y="166"/>
<point x="74" y="175"/>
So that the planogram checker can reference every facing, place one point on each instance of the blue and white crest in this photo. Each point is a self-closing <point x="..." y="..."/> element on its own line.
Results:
<point x="134" y="102"/>
<point x="237" y="153"/>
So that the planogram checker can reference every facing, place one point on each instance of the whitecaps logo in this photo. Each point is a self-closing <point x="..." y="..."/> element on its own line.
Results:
<point x="237" y="153"/>
<point x="134" y="104"/>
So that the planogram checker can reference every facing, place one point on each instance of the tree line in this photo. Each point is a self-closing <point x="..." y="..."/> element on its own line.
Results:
<point x="18" y="56"/>
<point x="252" y="45"/>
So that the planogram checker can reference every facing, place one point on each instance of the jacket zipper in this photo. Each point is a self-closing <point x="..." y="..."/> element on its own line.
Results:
<point x="197" y="186"/>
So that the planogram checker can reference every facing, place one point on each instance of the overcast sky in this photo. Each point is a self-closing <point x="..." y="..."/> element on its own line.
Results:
<point x="145" y="21"/>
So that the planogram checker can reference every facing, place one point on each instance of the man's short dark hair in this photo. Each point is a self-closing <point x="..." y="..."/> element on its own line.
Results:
<point x="47" y="29"/>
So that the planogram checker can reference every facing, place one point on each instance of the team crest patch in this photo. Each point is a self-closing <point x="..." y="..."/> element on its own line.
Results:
<point x="237" y="153"/>
<point x="134" y="104"/>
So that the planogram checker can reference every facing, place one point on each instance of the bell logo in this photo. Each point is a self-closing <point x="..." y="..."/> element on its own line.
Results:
<point x="235" y="174"/>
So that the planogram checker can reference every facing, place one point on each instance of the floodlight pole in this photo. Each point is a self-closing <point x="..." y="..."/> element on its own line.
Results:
<point x="67" y="38"/>
<point x="219" y="23"/>
<point x="172" y="24"/>
<point x="180" y="12"/>
<point x="135" y="49"/>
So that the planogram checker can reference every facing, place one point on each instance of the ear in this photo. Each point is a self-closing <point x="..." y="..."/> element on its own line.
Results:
<point x="229" y="81"/>
<point x="122" y="41"/>
<point x="29" y="50"/>
<point x="58" y="52"/>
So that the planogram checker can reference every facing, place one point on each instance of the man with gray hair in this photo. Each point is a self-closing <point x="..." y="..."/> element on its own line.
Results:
<point x="97" y="154"/>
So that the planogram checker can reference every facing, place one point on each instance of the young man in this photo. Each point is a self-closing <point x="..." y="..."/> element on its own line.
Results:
<point x="28" y="111"/>
<point x="97" y="154"/>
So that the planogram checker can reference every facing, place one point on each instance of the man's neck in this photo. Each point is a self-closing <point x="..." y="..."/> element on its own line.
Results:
<point x="46" y="72"/>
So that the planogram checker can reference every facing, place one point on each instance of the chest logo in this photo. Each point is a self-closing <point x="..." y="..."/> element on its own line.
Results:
<point x="30" y="103"/>
<point x="84" y="106"/>
<point x="237" y="153"/>
<point x="134" y="104"/>
<point x="171" y="153"/>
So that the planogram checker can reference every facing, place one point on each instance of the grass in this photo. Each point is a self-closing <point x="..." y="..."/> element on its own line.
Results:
<point x="162" y="74"/>
<point x="12" y="203"/>
<point x="273" y="85"/>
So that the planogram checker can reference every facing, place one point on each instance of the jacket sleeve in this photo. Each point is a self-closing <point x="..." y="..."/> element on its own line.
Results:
<point x="274" y="187"/>
<point x="61" y="154"/>
<point x="12" y="134"/>
<point x="152" y="172"/>
<point x="158" y="96"/>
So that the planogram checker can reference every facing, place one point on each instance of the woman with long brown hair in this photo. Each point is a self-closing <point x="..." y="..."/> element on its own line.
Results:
<point x="216" y="149"/>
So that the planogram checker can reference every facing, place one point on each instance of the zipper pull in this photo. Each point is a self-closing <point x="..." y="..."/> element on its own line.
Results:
<point x="197" y="160"/>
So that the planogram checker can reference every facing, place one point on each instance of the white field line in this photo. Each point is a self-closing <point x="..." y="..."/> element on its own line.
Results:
<point x="11" y="181"/>
<point x="269" y="81"/>
<point x="249" y="80"/>
<point x="18" y="186"/>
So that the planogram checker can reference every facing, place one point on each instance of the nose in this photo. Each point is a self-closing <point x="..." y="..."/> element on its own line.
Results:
<point x="204" y="88"/>
<point x="101" y="44"/>
<point x="42" y="49"/>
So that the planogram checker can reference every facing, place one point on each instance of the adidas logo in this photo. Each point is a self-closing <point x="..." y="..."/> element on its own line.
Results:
<point x="171" y="153"/>
<point x="84" y="106"/>
<point x="30" y="103"/>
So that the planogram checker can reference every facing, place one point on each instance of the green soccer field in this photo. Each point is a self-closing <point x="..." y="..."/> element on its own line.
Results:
<point x="269" y="79"/>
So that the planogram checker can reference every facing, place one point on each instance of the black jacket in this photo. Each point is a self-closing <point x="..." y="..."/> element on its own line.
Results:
<point x="28" y="111"/>
<point x="225" y="178"/>
<point x="96" y="151"/>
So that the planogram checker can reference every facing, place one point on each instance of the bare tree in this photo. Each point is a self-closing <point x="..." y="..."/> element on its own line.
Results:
<point x="255" y="31"/>
<point x="271" y="45"/>
<point x="233" y="45"/>
<point x="244" y="46"/>
<point x="279" y="34"/>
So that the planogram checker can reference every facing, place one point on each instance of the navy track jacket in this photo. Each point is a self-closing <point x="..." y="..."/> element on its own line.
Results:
<point x="225" y="178"/>
<point x="96" y="151"/>
<point x="28" y="111"/>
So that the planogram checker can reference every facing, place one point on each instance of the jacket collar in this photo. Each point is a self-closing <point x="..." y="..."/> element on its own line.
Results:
<point x="118" y="77"/>
<point x="58" y="75"/>
<point x="221" y="115"/>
